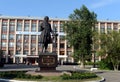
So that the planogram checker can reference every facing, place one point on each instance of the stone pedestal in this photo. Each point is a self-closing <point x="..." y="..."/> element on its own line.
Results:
<point x="48" y="61"/>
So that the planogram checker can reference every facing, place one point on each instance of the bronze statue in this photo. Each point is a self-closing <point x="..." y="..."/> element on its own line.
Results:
<point x="45" y="37"/>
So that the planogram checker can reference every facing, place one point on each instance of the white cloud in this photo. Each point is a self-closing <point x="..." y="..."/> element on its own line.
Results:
<point x="102" y="3"/>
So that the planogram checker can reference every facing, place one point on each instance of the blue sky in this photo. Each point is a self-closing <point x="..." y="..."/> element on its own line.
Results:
<point x="105" y="9"/>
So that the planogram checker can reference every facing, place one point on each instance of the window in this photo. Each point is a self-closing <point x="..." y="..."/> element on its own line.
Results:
<point x="102" y="28"/>
<point x="62" y="45"/>
<point x="4" y="23"/>
<point x="12" y="28"/>
<point x="4" y="28"/>
<point x="33" y="27"/>
<point x="26" y="37"/>
<point x="11" y="36"/>
<point x="115" y="27"/>
<point x="18" y="44"/>
<point x="33" y="37"/>
<point x="4" y="36"/>
<point x="26" y="26"/>
<point x="55" y="27"/>
<point x="33" y="45"/>
<point x="4" y="44"/>
<point x="18" y="37"/>
<point x="25" y="52"/>
<point x="96" y="27"/>
<point x="19" y="26"/>
<point x="33" y="53"/>
<point x="12" y="23"/>
<point x="69" y="53"/>
<point x="11" y="44"/>
<point x="18" y="52"/>
<point x="26" y="45"/>
<point x="4" y="52"/>
<point x="61" y="27"/>
<point x="62" y="52"/>
<point x="109" y="28"/>
<point x="62" y="37"/>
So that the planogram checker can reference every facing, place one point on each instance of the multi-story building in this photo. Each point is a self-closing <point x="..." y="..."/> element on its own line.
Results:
<point x="19" y="38"/>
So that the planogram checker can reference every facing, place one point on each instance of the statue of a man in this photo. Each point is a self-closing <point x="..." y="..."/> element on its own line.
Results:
<point x="45" y="37"/>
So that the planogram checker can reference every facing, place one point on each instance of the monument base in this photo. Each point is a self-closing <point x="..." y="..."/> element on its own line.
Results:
<point x="48" y="61"/>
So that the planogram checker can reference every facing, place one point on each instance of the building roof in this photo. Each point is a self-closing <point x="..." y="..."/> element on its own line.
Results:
<point x="58" y="19"/>
<point x="30" y="17"/>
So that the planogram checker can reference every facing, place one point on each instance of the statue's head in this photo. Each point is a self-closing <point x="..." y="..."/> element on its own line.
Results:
<point x="46" y="18"/>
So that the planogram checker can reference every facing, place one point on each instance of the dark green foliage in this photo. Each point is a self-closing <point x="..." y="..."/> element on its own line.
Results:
<point x="79" y="75"/>
<point x="104" y="64"/>
<point x="91" y="63"/>
<point x="18" y="74"/>
<point x="79" y="32"/>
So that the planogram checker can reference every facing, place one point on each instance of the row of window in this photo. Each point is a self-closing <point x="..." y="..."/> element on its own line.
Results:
<point x="27" y="27"/>
<point x="108" y="28"/>
<point x="18" y="44"/>
<point x="26" y="37"/>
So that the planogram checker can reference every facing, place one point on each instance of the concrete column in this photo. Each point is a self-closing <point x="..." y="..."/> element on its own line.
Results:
<point x="105" y="27"/>
<point x="7" y="41"/>
<point x="37" y="37"/>
<point x="29" y="52"/>
<point x="51" y="45"/>
<point x="14" y="53"/>
<point x="21" y="59"/>
<point x="112" y="26"/>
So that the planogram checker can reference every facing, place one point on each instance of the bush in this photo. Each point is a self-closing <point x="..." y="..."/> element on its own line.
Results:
<point x="18" y="74"/>
<point x="104" y="64"/>
<point x="79" y="75"/>
<point x="91" y="63"/>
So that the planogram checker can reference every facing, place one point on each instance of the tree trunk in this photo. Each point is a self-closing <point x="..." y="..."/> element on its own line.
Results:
<point x="82" y="63"/>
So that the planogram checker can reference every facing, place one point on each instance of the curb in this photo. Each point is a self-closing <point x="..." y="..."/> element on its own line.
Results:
<point x="102" y="80"/>
<point x="8" y="80"/>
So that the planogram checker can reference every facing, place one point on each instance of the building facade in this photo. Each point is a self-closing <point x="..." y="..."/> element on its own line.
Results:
<point x="19" y="38"/>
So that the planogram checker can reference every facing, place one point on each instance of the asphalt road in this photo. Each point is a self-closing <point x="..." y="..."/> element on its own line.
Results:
<point x="110" y="76"/>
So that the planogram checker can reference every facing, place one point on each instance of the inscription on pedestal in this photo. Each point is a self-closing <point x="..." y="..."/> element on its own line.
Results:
<point x="48" y="61"/>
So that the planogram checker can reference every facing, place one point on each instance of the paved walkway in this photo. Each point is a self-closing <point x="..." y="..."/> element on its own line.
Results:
<point x="110" y="76"/>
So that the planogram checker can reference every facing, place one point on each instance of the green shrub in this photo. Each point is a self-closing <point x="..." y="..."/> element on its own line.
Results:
<point x="104" y="64"/>
<point x="91" y="63"/>
<point x="65" y="76"/>
<point x="18" y="74"/>
<point x="79" y="75"/>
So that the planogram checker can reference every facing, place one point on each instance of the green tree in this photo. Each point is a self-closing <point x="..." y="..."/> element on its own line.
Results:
<point x="79" y="32"/>
<point x="110" y="44"/>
